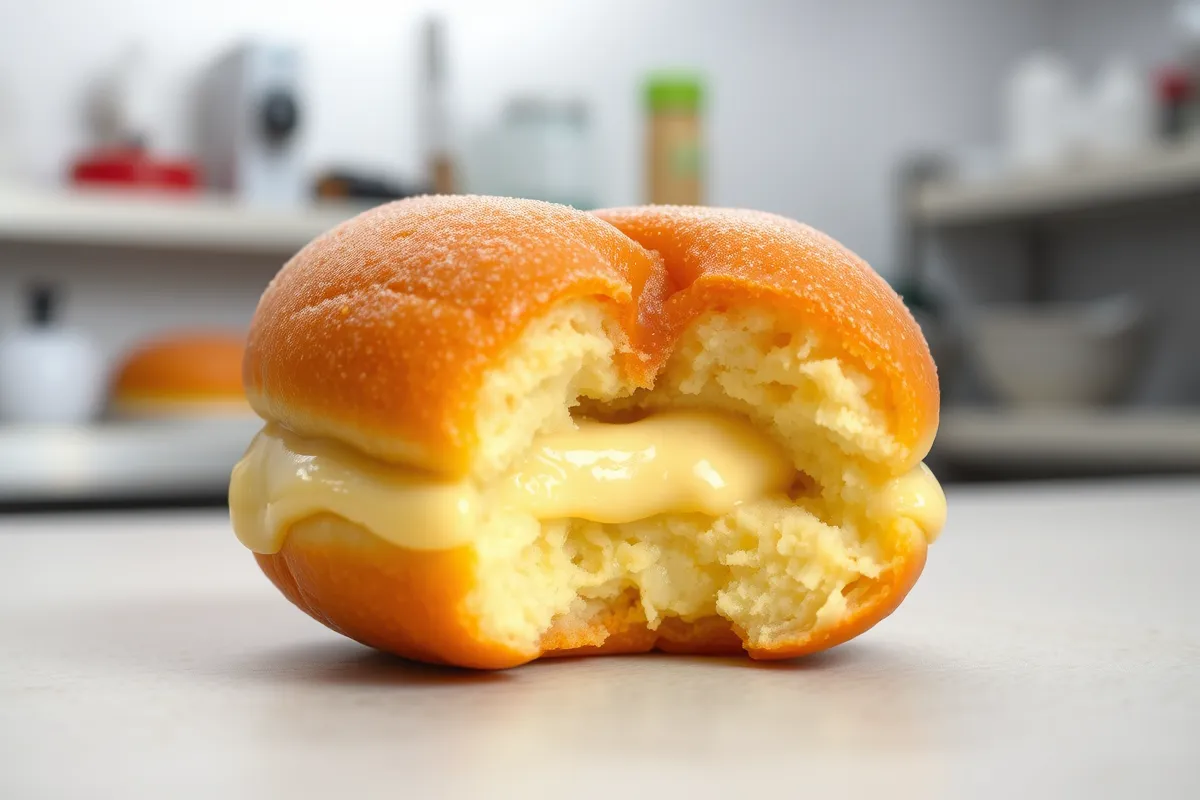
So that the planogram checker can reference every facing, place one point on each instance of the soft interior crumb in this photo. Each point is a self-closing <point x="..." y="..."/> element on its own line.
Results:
<point x="770" y="567"/>
<point x="775" y="567"/>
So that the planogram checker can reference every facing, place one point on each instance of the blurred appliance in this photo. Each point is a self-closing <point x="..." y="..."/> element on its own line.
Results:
<point x="1061" y="355"/>
<point x="48" y="373"/>
<point x="251" y="124"/>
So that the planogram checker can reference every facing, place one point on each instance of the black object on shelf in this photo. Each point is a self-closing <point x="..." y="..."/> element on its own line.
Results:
<point x="43" y="305"/>
<point x="347" y="185"/>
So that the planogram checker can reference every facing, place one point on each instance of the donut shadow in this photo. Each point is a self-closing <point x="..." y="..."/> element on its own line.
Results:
<point x="259" y="641"/>
<point x="844" y="656"/>
<point x="848" y="656"/>
<point x="343" y="662"/>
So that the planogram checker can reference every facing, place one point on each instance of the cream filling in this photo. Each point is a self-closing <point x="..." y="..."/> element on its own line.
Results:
<point x="915" y="496"/>
<point x="669" y="463"/>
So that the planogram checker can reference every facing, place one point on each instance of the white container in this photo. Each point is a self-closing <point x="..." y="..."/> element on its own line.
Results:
<point x="543" y="152"/>
<point x="1041" y="113"/>
<point x="48" y="374"/>
<point x="1120" y="115"/>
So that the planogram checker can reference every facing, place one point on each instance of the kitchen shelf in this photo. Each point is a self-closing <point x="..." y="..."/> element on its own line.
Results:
<point x="1161" y="172"/>
<point x="1145" y="439"/>
<point x="139" y="219"/>
<point x="121" y="461"/>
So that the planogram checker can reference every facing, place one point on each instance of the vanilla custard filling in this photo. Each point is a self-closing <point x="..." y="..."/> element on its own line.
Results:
<point x="672" y="462"/>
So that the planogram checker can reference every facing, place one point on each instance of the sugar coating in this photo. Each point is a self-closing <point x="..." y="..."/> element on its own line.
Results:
<point x="380" y="332"/>
<point x="446" y="333"/>
<point x="731" y="256"/>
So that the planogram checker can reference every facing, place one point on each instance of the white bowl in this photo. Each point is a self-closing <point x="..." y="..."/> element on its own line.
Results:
<point x="1060" y="355"/>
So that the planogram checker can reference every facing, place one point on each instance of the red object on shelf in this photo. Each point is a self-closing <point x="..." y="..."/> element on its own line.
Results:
<point x="1174" y="85"/>
<point x="132" y="167"/>
<point x="1177" y="103"/>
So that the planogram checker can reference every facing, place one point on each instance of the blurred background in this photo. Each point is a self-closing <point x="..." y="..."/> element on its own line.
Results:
<point x="1025" y="172"/>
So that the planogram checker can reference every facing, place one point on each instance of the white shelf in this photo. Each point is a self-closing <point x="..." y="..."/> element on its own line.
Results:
<point x="1098" y="439"/>
<point x="121" y="461"/>
<point x="1160" y="172"/>
<point x="139" y="219"/>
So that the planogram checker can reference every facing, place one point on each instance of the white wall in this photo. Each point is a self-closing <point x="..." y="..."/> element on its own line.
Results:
<point x="812" y="104"/>
<point x="813" y="101"/>
<point x="1088" y="31"/>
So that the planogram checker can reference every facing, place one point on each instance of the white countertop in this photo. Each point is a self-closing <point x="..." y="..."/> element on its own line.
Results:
<point x="182" y="221"/>
<point x="1051" y="650"/>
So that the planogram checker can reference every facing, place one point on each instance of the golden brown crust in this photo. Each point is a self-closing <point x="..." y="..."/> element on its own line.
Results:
<point x="184" y="367"/>
<point x="718" y="257"/>
<point x="409" y="602"/>
<point x="406" y="602"/>
<point x="379" y="332"/>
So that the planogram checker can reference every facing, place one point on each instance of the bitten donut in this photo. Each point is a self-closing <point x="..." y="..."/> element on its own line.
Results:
<point x="499" y="429"/>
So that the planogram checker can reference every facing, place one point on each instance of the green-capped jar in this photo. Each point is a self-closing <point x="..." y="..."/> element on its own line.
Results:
<point x="674" y="141"/>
